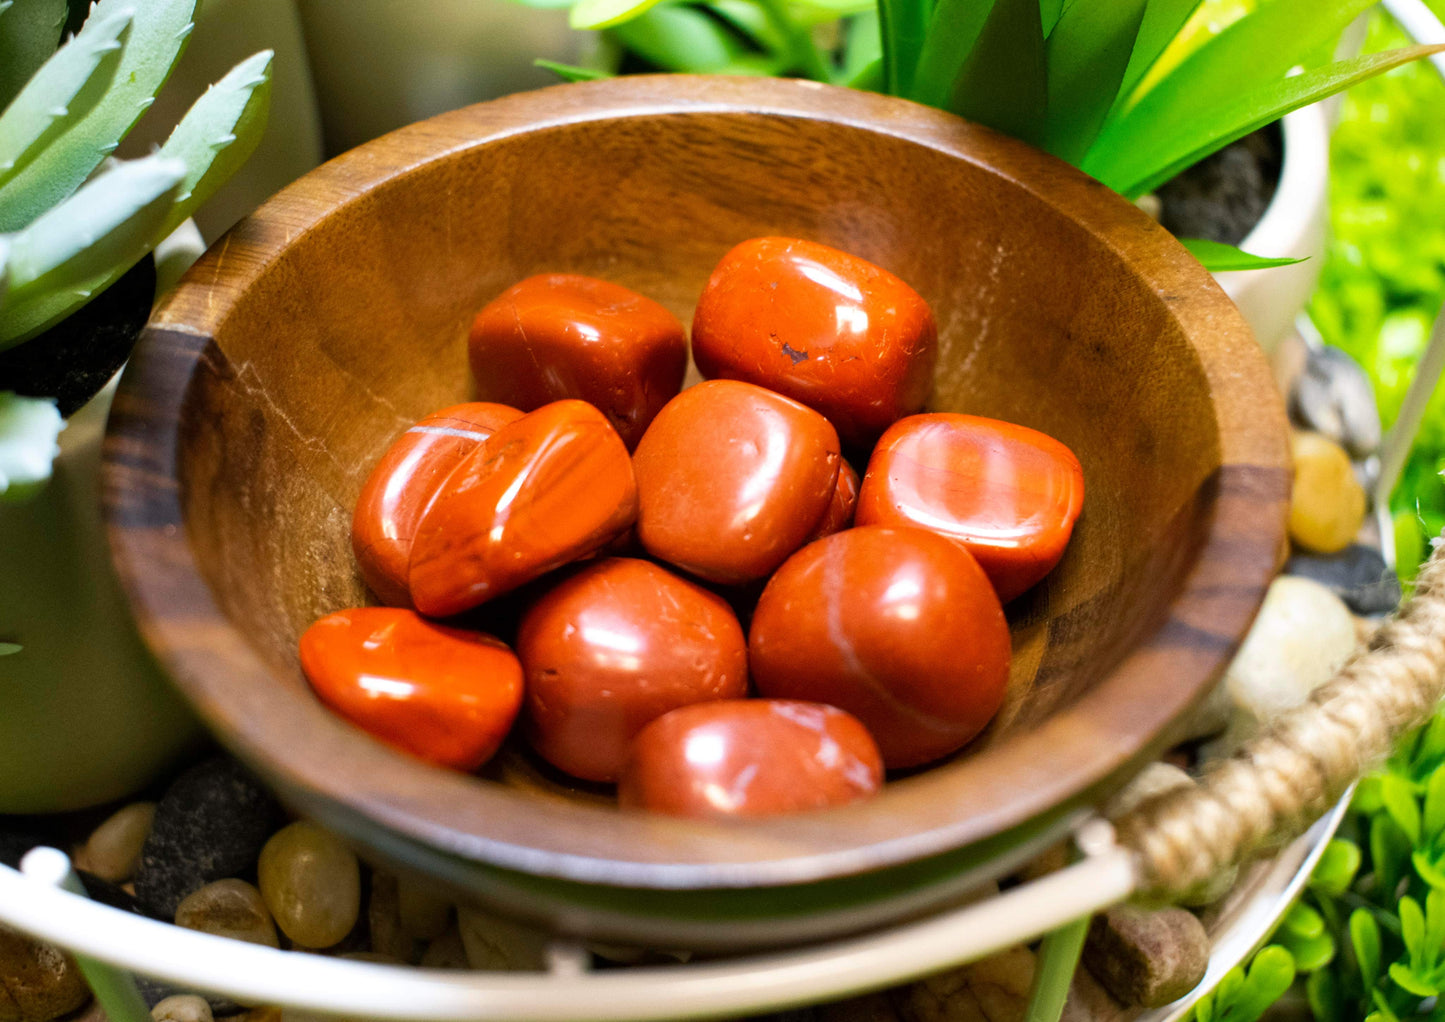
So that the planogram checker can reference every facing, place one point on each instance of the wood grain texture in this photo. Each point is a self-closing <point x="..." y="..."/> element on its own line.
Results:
<point x="274" y="376"/>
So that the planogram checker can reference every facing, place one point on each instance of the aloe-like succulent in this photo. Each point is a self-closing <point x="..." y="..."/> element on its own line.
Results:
<point x="73" y="220"/>
<point x="1100" y="83"/>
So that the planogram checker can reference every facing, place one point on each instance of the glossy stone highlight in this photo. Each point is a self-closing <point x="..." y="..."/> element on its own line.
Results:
<point x="898" y="626"/>
<point x="732" y="478"/>
<point x="551" y="487"/>
<point x="403" y="483"/>
<point x="311" y="882"/>
<point x="755" y="757"/>
<point x="823" y="327"/>
<point x="1008" y="493"/>
<point x="839" y="514"/>
<point x="561" y="335"/>
<point x="444" y="695"/>
<point x="612" y="648"/>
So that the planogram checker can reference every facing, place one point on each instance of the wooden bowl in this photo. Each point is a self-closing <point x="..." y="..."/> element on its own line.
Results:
<point x="273" y="377"/>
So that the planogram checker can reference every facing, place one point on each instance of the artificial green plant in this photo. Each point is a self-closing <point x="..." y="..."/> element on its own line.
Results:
<point x="73" y="220"/>
<point x="1096" y="82"/>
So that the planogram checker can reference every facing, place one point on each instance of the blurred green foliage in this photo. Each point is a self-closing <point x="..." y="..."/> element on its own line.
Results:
<point x="1383" y="281"/>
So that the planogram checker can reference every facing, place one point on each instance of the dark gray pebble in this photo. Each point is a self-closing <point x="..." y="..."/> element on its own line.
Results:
<point x="110" y="894"/>
<point x="16" y="840"/>
<point x="210" y="824"/>
<point x="1357" y="574"/>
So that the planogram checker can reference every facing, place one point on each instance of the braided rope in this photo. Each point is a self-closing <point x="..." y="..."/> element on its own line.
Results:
<point x="1292" y="773"/>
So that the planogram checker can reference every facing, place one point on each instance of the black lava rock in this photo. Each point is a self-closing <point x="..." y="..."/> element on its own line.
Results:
<point x="75" y="358"/>
<point x="110" y="894"/>
<point x="1357" y="574"/>
<point x="17" y="839"/>
<point x="210" y="824"/>
<point x="1223" y="196"/>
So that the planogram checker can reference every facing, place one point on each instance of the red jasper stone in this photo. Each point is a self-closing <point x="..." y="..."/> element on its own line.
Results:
<point x="442" y="694"/>
<point x="755" y="757"/>
<point x="821" y="326"/>
<point x="732" y="478"/>
<point x="612" y="648"/>
<point x="402" y="485"/>
<point x="840" y="509"/>
<point x="1009" y="493"/>
<point x="899" y="627"/>
<point x="551" y="487"/>
<point x="560" y="335"/>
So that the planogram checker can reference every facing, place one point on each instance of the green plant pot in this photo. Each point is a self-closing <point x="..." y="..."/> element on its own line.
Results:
<point x="85" y="715"/>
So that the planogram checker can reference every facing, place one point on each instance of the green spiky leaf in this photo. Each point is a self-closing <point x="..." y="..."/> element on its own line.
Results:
<point x="953" y="32"/>
<point x="904" y="27"/>
<point x="1336" y="868"/>
<point x="29" y="428"/>
<point x="1218" y="257"/>
<point x="158" y="35"/>
<point x="218" y="134"/>
<point x="1088" y="53"/>
<point x="607" y="13"/>
<point x="1004" y="82"/>
<point x="685" y="39"/>
<point x="10" y="648"/>
<point x="1138" y="156"/>
<point x="29" y="32"/>
<point x="570" y="72"/>
<point x="63" y="91"/>
<point x="1049" y="13"/>
<point x="1162" y="22"/>
<point x="1365" y="938"/>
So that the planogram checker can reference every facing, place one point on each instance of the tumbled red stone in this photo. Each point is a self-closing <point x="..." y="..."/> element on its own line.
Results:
<point x="445" y="695"/>
<point x="821" y="326"/>
<point x="1009" y="493"/>
<point x="732" y="478"/>
<point x="754" y="757"/>
<point x="899" y="627"/>
<point x="549" y="488"/>
<point x="612" y="648"/>
<point x="402" y="485"/>
<point x="561" y="335"/>
<point x="839" y="514"/>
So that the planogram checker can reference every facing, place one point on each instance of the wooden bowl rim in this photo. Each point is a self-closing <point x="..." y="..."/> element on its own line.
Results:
<point x="1084" y="756"/>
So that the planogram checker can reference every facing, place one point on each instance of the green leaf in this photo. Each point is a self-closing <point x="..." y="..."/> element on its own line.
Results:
<point x="1430" y="864"/>
<point x="1400" y="803"/>
<point x="1432" y="822"/>
<point x="840" y="8"/>
<point x="1049" y="13"/>
<point x="1162" y="21"/>
<point x="683" y="39"/>
<point x="1434" y="927"/>
<point x="158" y="35"/>
<point x="1389" y="852"/>
<point x="1365" y="938"/>
<point x="1336" y="869"/>
<point x="953" y="31"/>
<point x="904" y="28"/>
<point x="1303" y="921"/>
<point x="1382" y="1012"/>
<point x="1310" y="953"/>
<point x="570" y="72"/>
<point x="869" y="79"/>
<point x="1326" y="1000"/>
<point x="752" y="21"/>
<point x="862" y="48"/>
<point x="28" y="431"/>
<point x="1087" y="53"/>
<point x="1218" y="257"/>
<point x="1270" y="975"/>
<point x="63" y="91"/>
<point x="1412" y="925"/>
<point x="607" y="13"/>
<point x="1408" y="979"/>
<point x="218" y="134"/>
<point x="1141" y="153"/>
<point x="1004" y="82"/>
<point x="29" y="32"/>
<point x="10" y="648"/>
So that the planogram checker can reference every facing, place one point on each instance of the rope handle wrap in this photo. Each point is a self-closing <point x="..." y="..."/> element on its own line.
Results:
<point x="1289" y="775"/>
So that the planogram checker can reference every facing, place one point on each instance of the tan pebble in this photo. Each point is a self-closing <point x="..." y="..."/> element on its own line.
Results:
<point x="497" y="944"/>
<point x="446" y="951"/>
<point x="425" y="912"/>
<point x="229" y="908"/>
<point x="38" y="982"/>
<point x="182" y="1008"/>
<point x="311" y="883"/>
<point x="1146" y="958"/>
<point x="113" y="850"/>
<point x="995" y="989"/>
<point x="1327" y="506"/>
<point x="383" y="918"/>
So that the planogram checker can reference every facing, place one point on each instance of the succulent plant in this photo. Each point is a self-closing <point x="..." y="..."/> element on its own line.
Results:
<point x="72" y="219"/>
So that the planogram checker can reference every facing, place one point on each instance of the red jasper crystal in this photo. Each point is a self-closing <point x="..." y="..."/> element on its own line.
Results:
<point x="839" y="514"/>
<point x="612" y="648"/>
<point x="756" y="757"/>
<point x="402" y="485"/>
<point x="560" y="335"/>
<point x="1009" y="493"/>
<point x="442" y="694"/>
<point x="899" y="627"/>
<point x="821" y="326"/>
<point x="732" y="478"/>
<point x="551" y="487"/>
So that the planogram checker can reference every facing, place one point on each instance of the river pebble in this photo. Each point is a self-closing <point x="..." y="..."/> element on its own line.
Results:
<point x="311" y="883"/>
<point x="229" y="908"/>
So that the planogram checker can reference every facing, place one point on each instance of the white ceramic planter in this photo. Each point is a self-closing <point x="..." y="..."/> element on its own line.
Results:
<point x="1294" y="225"/>
<point x="85" y="714"/>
